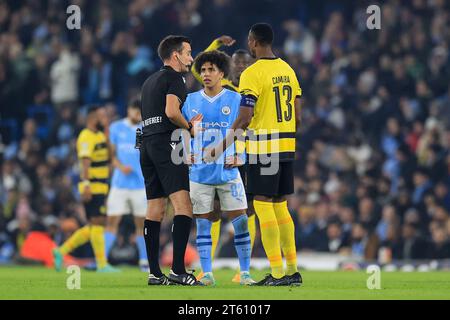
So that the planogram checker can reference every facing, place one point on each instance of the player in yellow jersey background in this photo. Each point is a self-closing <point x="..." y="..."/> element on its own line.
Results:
<point x="270" y="108"/>
<point x="93" y="155"/>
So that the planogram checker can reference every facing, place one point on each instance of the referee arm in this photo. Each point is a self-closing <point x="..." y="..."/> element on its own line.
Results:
<point x="174" y="114"/>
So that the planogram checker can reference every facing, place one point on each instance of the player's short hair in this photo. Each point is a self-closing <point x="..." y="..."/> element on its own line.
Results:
<point x="170" y="44"/>
<point x="134" y="103"/>
<point x="241" y="52"/>
<point x="220" y="59"/>
<point x="263" y="33"/>
<point x="93" y="108"/>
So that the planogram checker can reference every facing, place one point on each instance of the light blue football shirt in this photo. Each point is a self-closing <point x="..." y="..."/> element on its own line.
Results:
<point x="122" y="134"/>
<point x="219" y="113"/>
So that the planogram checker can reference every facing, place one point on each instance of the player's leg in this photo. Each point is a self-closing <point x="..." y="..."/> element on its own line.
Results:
<point x="156" y="205"/>
<point x="97" y="219"/>
<point x="182" y="223"/>
<point x="138" y="208"/>
<point x="152" y="227"/>
<point x="204" y="248"/>
<point x="234" y="203"/>
<point x="112" y="225"/>
<point x="285" y="223"/>
<point x="264" y="188"/>
<point x="215" y="228"/>
<point x="202" y="198"/>
<point x="251" y="219"/>
<point x="77" y="239"/>
<point x="251" y="216"/>
<point x="287" y="234"/>
<point x="175" y="182"/>
<point x="250" y="209"/>
<point x="116" y="207"/>
<point x="214" y="217"/>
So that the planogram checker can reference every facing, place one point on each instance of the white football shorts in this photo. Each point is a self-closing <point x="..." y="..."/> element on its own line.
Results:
<point x="124" y="201"/>
<point x="231" y="195"/>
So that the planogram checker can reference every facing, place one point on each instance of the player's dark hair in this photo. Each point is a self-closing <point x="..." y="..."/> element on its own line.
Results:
<point x="134" y="103"/>
<point x="170" y="44"/>
<point x="220" y="59"/>
<point x="93" y="108"/>
<point x="263" y="33"/>
<point x="241" y="52"/>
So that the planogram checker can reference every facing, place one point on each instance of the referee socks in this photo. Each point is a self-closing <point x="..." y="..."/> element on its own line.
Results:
<point x="151" y="236"/>
<point x="180" y="233"/>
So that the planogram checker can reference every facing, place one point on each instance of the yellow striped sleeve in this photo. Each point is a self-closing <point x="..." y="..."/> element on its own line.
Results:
<point x="85" y="146"/>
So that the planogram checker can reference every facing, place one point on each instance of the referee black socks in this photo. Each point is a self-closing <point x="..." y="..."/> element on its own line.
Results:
<point x="151" y="236"/>
<point x="180" y="233"/>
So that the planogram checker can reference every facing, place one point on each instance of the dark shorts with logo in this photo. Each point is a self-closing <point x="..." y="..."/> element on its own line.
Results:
<point x="243" y="170"/>
<point x="279" y="184"/>
<point x="96" y="207"/>
<point x="162" y="176"/>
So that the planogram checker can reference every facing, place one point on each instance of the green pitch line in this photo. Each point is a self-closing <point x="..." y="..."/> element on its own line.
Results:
<point x="41" y="283"/>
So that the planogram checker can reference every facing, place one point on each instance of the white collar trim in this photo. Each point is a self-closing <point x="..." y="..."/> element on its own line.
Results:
<point x="212" y="99"/>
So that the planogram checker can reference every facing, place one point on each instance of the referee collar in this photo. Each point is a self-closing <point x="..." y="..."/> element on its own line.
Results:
<point x="167" y="68"/>
<point x="268" y="58"/>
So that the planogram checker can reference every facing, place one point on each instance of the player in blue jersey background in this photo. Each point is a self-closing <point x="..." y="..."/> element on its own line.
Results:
<point x="127" y="194"/>
<point x="219" y="107"/>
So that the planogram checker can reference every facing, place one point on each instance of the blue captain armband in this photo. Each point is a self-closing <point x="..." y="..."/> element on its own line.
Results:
<point x="248" y="100"/>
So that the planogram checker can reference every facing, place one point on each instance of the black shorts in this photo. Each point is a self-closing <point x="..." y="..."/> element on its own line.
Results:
<point x="162" y="176"/>
<point x="279" y="184"/>
<point x="96" y="207"/>
<point x="243" y="172"/>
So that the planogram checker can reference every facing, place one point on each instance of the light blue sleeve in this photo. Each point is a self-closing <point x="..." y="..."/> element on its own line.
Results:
<point x="185" y="109"/>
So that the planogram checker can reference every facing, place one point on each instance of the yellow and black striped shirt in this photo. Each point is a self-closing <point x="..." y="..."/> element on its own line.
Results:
<point x="275" y="86"/>
<point x="93" y="145"/>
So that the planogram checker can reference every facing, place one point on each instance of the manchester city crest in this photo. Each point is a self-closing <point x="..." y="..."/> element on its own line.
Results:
<point x="226" y="110"/>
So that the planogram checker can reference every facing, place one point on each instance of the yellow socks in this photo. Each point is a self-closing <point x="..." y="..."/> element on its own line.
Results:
<point x="98" y="245"/>
<point x="80" y="237"/>
<point x="270" y="236"/>
<point x="215" y="234"/>
<point x="83" y="235"/>
<point x="287" y="236"/>
<point x="252" y="228"/>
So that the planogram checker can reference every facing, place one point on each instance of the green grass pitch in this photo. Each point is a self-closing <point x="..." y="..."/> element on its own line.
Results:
<point x="41" y="283"/>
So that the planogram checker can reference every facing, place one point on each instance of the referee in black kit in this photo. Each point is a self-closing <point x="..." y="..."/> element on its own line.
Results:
<point x="163" y="94"/>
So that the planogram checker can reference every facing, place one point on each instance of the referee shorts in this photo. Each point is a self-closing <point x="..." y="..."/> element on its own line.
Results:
<point x="162" y="176"/>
